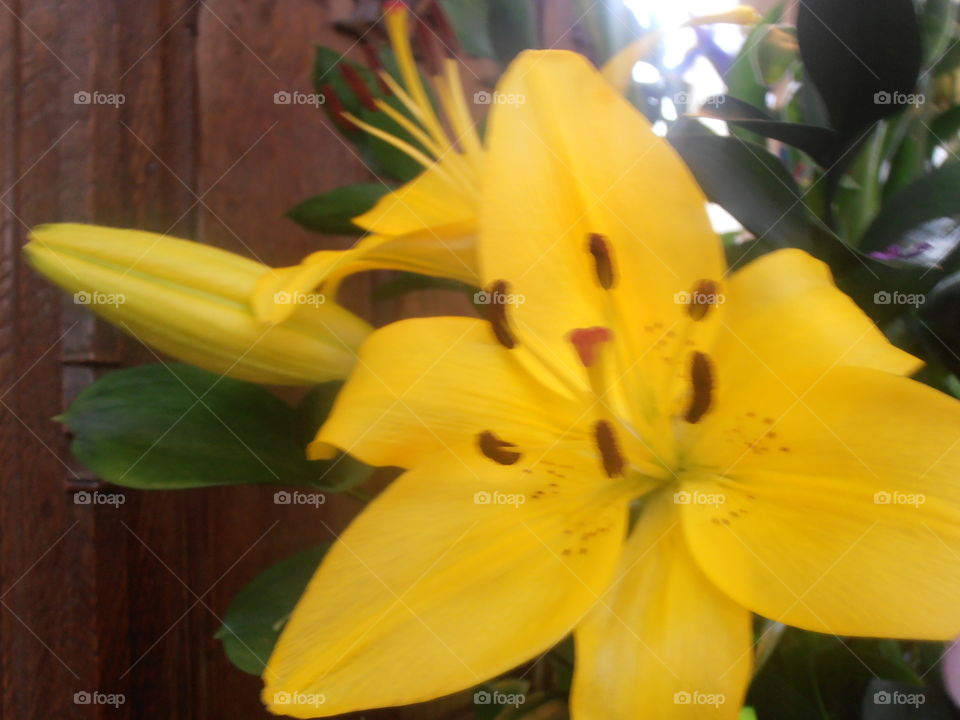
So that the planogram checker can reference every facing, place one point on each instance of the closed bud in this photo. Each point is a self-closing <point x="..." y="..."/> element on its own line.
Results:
<point x="191" y="301"/>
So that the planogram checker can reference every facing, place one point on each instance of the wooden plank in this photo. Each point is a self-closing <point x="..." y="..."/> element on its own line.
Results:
<point x="258" y="159"/>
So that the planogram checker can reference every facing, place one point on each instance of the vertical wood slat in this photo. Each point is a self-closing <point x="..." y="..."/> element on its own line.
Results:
<point x="121" y="585"/>
<point x="103" y="589"/>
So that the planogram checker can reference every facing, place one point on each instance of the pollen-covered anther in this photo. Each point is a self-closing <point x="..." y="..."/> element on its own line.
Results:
<point x="606" y="438"/>
<point x="705" y="294"/>
<point x="500" y="451"/>
<point x="613" y="460"/>
<point x="496" y="309"/>
<point x="602" y="260"/>
<point x="701" y="377"/>
<point x="587" y="342"/>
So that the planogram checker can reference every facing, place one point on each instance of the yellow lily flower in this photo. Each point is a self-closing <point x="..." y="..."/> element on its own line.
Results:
<point x="758" y="425"/>
<point x="426" y="226"/>
<point x="191" y="301"/>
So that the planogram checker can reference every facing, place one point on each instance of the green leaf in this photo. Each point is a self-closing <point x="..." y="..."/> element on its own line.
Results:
<point x="923" y="216"/>
<point x="176" y="426"/>
<point x="329" y="78"/>
<point x="858" y="54"/>
<point x="748" y="182"/>
<point x="331" y="212"/>
<point x="327" y="73"/>
<point x="470" y="20"/>
<point x="944" y="128"/>
<point x="258" y="613"/>
<point x="937" y="325"/>
<point x="819" y="143"/>
<point x="936" y="28"/>
<point x="950" y="60"/>
<point x="743" y="79"/>
<point x="512" y="26"/>
<point x="608" y="26"/>
<point x="407" y="282"/>
<point x="774" y="55"/>
<point x="393" y="162"/>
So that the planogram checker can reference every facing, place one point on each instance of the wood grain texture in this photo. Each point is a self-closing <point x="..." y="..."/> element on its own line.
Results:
<point x="127" y="600"/>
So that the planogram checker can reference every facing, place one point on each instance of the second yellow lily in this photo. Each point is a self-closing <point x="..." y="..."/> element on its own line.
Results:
<point x="427" y="226"/>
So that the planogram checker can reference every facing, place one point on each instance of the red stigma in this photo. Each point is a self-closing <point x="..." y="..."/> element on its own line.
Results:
<point x="586" y="340"/>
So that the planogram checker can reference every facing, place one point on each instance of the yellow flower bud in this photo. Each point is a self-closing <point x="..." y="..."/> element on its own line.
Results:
<point x="190" y="301"/>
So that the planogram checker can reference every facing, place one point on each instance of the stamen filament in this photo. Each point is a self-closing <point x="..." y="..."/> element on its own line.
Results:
<point x="397" y="29"/>
<point x="459" y="115"/>
<point x="402" y="146"/>
<point x="411" y="127"/>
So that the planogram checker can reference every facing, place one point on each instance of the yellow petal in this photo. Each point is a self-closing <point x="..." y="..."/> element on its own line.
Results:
<point x="423" y="227"/>
<point x="459" y="571"/>
<point x="425" y="253"/>
<point x="571" y="157"/>
<point x="663" y="642"/>
<point x="427" y="201"/>
<point x="839" y="512"/>
<point x="786" y="321"/>
<point x="425" y="384"/>
<point x="190" y="301"/>
<point x="740" y="15"/>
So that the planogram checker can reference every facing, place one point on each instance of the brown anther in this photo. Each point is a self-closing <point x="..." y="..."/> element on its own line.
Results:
<point x="443" y="27"/>
<point x="357" y="84"/>
<point x="613" y="461"/>
<point x="701" y="376"/>
<point x="496" y="449"/>
<point x="705" y="295"/>
<point x="372" y="61"/>
<point x="428" y="45"/>
<point x="335" y="106"/>
<point x="586" y="342"/>
<point x="602" y="260"/>
<point x="496" y="311"/>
